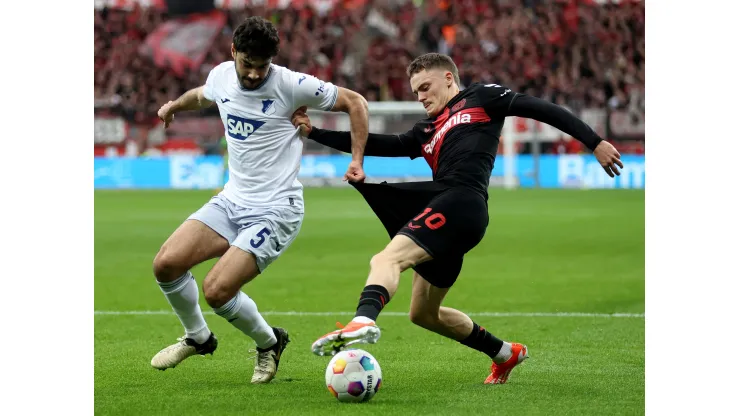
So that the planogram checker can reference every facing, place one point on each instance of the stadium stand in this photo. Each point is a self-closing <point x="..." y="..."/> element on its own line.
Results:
<point x="585" y="55"/>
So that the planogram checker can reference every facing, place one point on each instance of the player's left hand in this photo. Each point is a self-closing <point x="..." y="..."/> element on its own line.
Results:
<point x="609" y="158"/>
<point x="355" y="173"/>
<point x="300" y="119"/>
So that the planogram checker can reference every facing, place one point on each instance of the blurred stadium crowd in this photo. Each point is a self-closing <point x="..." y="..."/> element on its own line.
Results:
<point x="582" y="54"/>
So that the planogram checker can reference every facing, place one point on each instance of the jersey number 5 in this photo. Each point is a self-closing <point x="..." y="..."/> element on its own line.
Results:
<point x="261" y="235"/>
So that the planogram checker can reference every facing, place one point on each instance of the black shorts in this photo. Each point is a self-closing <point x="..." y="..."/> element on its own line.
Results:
<point x="445" y="221"/>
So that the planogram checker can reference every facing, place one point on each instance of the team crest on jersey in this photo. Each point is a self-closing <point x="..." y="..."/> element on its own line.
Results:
<point x="458" y="106"/>
<point x="241" y="128"/>
<point x="268" y="107"/>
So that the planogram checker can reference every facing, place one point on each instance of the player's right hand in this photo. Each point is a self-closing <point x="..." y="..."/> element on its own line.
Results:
<point x="300" y="119"/>
<point x="609" y="158"/>
<point x="165" y="114"/>
<point x="355" y="172"/>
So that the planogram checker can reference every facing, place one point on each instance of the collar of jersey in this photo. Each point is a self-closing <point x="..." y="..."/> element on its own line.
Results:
<point x="264" y="81"/>
<point x="454" y="99"/>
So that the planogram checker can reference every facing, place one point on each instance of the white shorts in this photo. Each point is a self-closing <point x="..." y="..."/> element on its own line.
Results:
<point x="264" y="232"/>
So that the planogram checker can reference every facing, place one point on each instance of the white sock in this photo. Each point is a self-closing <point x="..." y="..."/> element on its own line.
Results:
<point x="241" y="311"/>
<point x="362" y="319"/>
<point x="504" y="354"/>
<point x="182" y="294"/>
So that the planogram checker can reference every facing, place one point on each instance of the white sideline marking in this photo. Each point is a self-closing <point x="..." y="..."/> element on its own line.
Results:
<point x="493" y="314"/>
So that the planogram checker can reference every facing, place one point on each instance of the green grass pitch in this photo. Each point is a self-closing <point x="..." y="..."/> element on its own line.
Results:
<point x="546" y="252"/>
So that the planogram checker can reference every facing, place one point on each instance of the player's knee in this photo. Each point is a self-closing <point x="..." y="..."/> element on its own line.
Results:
<point x="217" y="294"/>
<point x="423" y="318"/>
<point x="167" y="267"/>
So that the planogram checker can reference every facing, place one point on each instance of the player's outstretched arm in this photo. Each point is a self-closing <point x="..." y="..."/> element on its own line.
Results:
<point x="562" y="119"/>
<point x="385" y="145"/>
<point x="355" y="105"/>
<point x="312" y="92"/>
<point x="191" y="100"/>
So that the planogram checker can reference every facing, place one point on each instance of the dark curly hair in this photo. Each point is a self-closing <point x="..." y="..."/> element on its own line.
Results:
<point x="257" y="37"/>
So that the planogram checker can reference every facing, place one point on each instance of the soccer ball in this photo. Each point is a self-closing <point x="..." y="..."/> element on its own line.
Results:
<point x="353" y="376"/>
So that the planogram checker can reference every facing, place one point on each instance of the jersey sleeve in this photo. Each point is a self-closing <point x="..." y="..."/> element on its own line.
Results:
<point x="556" y="116"/>
<point x="209" y="91"/>
<point x="496" y="99"/>
<point x="412" y="141"/>
<point x="384" y="145"/>
<point x="313" y="92"/>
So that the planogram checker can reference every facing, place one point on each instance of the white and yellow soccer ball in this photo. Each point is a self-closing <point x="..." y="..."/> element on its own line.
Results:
<point x="353" y="376"/>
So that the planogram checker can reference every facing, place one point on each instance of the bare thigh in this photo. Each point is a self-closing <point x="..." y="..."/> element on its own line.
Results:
<point x="191" y="244"/>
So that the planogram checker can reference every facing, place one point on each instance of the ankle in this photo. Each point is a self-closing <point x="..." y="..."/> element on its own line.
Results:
<point x="504" y="354"/>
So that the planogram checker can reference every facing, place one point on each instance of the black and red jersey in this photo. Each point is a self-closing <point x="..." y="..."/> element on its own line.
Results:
<point x="460" y="143"/>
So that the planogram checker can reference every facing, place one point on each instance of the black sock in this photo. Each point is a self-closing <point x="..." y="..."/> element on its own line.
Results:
<point x="372" y="301"/>
<point x="483" y="341"/>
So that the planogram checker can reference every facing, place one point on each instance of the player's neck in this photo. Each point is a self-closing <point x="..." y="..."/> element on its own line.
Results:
<point x="452" y="91"/>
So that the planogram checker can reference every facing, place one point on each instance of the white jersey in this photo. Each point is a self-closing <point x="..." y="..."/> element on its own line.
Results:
<point x="264" y="147"/>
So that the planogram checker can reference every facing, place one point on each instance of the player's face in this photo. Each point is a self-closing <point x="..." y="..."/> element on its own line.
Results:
<point x="251" y="72"/>
<point x="432" y="89"/>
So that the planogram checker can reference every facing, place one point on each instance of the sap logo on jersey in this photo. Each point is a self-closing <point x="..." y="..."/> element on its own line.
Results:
<point x="240" y="128"/>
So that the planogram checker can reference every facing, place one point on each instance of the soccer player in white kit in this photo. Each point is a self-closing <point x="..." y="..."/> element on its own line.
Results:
<point x="260" y="211"/>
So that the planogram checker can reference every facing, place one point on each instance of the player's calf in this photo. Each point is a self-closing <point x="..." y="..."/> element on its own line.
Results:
<point x="385" y="269"/>
<point x="444" y="321"/>
<point x="192" y="243"/>
<point x="425" y="320"/>
<point x="222" y="291"/>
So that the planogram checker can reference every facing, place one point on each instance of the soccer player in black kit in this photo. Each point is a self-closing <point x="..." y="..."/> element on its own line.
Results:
<point x="433" y="224"/>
